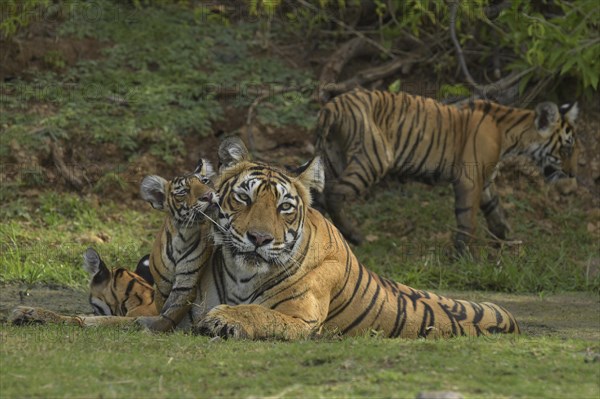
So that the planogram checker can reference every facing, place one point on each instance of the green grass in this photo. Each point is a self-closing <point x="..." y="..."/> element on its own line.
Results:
<point x="46" y="243"/>
<point x="71" y="362"/>
<point x="553" y="256"/>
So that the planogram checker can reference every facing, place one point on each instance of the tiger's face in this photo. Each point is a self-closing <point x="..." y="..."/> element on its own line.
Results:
<point x="187" y="198"/>
<point x="558" y="152"/>
<point x="262" y="209"/>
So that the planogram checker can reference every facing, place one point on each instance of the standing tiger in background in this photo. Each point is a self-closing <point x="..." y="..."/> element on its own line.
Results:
<point x="365" y="135"/>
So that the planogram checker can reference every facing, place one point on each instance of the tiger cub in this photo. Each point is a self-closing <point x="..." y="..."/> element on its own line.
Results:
<point x="365" y="135"/>
<point x="182" y="247"/>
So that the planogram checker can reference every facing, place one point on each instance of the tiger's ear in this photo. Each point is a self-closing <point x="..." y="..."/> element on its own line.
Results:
<point x="93" y="264"/>
<point x="312" y="174"/>
<point x="204" y="168"/>
<point x="570" y="111"/>
<point x="153" y="189"/>
<point x="546" y="117"/>
<point x="232" y="151"/>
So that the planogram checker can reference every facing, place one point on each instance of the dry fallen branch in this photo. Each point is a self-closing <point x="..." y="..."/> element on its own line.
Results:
<point x="252" y="109"/>
<point x="366" y="76"/>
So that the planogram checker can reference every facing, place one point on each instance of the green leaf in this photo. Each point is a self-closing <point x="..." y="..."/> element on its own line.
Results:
<point x="394" y="87"/>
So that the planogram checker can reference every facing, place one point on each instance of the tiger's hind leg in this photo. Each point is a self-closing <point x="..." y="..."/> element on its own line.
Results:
<point x="24" y="315"/>
<point x="493" y="212"/>
<point x="353" y="182"/>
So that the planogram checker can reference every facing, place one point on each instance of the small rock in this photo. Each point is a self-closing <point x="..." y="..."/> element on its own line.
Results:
<point x="371" y="238"/>
<point x="440" y="395"/>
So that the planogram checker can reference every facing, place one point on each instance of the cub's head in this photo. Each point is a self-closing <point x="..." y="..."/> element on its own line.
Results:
<point x="109" y="289"/>
<point x="262" y="208"/>
<point x="557" y="152"/>
<point x="186" y="198"/>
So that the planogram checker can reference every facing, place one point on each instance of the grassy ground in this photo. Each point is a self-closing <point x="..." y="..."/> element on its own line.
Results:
<point x="45" y="244"/>
<point x="94" y="363"/>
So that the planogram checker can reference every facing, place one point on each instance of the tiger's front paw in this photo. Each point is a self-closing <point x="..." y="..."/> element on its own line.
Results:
<point x="155" y="323"/>
<point x="221" y="322"/>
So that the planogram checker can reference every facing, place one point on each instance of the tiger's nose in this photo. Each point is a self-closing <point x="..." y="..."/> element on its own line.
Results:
<point x="208" y="197"/>
<point x="259" y="239"/>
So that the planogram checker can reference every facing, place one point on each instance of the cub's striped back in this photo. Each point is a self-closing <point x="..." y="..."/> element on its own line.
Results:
<point x="117" y="292"/>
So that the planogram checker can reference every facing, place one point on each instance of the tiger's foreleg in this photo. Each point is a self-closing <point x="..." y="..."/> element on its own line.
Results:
<point x="180" y="299"/>
<point x="493" y="212"/>
<point x="254" y="322"/>
<point x="466" y="201"/>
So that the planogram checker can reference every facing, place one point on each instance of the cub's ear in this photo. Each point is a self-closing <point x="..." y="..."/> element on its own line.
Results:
<point x="204" y="168"/>
<point x="312" y="174"/>
<point x="546" y="117"/>
<point x="93" y="264"/>
<point x="232" y="151"/>
<point x="143" y="269"/>
<point x="153" y="189"/>
<point x="570" y="111"/>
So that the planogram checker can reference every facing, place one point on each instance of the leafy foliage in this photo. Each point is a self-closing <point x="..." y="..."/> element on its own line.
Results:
<point x="17" y="14"/>
<point x="564" y="41"/>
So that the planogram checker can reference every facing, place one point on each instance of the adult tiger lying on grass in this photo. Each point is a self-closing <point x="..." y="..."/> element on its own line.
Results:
<point x="282" y="270"/>
<point x="365" y="135"/>
<point x="180" y="251"/>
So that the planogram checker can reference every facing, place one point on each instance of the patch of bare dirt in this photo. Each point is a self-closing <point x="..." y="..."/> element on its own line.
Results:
<point x="567" y="315"/>
<point x="59" y="299"/>
<point x="39" y="48"/>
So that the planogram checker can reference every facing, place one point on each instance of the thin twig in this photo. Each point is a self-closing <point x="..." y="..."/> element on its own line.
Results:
<point x="453" y="5"/>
